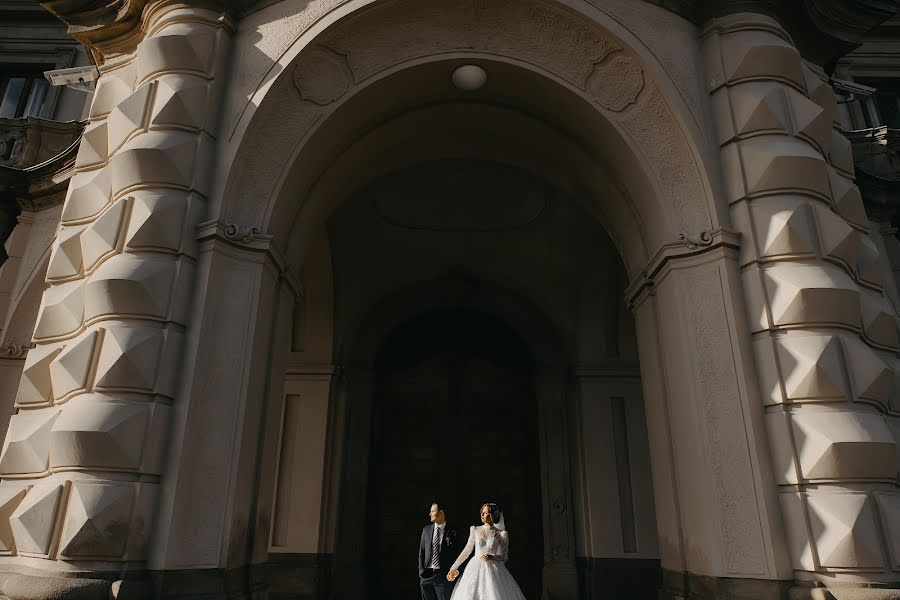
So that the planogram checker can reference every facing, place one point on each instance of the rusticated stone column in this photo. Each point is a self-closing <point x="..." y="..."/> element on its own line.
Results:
<point x="83" y="458"/>
<point x="825" y="335"/>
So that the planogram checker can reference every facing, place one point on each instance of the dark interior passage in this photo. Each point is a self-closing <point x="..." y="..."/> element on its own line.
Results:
<point x="455" y="419"/>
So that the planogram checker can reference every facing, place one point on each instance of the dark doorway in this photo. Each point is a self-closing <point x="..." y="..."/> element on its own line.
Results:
<point x="454" y="419"/>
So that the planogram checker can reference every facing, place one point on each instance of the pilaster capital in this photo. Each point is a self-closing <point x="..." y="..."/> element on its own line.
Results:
<point x="686" y="247"/>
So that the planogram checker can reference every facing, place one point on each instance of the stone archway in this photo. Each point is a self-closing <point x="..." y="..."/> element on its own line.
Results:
<point x="744" y="503"/>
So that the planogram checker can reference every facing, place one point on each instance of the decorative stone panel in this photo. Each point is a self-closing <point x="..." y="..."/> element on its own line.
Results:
<point x="35" y="386"/>
<point x="129" y="358"/>
<point x="847" y="199"/>
<point x="34" y="519"/>
<point x="873" y="378"/>
<point x="127" y="284"/>
<point x="93" y="432"/>
<point x="844" y="529"/>
<point x="11" y="496"/>
<point x="129" y="116"/>
<point x="157" y="220"/>
<point x="889" y="507"/>
<point x="97" y="520"/>
<point x="157" y="157"/>
<point x="755" y="54"/>
<point x="66" y="261"/>
<point x="181" y="100"/>
<point x="181" y="47"/>
<point x="834" y="445"/>
<point x="27" y="446"/>
<point x="93" y="149"/>
<point x="800" y="294"/>
<point x="112" y="87"/>
<point x="69" y="370"/>
<point x="89" y="193"/>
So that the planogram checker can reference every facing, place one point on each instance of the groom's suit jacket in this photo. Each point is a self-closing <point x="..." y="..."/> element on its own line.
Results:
<point x="452" y="544"/>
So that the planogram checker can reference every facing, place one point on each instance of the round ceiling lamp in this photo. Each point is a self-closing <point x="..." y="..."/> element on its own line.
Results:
<point x="469" y="78"/>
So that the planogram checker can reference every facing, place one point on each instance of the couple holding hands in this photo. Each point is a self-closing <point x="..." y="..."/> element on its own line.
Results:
<point x="484" y="578"/>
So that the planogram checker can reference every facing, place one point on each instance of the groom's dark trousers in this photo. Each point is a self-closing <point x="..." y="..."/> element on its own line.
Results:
<point x="434" y="582"/>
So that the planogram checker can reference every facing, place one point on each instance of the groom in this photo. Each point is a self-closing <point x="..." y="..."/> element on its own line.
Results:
<point x="438" y="548"/>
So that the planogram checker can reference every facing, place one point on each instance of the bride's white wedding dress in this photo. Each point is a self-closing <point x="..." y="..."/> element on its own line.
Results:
<point x="486" y="579"/>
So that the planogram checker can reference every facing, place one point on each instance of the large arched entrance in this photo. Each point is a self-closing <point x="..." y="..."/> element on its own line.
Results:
<point x="454" y="419"/>
<point x="575" y="170"/>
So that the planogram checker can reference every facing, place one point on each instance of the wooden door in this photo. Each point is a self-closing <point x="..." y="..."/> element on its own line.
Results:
<point x="454" y="420"/>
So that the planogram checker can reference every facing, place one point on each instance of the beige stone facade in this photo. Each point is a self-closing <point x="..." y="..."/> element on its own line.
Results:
<point x="630" y="277"/>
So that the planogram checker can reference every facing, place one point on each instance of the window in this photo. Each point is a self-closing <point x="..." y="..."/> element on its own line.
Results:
<point x="22" y="91"/>
<point x="883" y="107"/>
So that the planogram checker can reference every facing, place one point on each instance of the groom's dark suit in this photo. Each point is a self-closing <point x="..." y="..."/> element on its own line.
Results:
<point x="434" y="583"/>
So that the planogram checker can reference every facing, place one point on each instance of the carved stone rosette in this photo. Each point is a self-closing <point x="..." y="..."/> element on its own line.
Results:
<point x="84" y="452"/>
<point x="824" y="334"/>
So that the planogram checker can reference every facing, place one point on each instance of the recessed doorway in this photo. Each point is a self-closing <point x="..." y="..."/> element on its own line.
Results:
<point x="455" y="419"/>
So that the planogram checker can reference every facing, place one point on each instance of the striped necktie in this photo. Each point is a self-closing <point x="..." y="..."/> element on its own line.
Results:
<point x="436" y="549"/>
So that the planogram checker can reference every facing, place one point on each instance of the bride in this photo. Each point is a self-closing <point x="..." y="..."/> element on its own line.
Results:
<point x="486" y="577"/>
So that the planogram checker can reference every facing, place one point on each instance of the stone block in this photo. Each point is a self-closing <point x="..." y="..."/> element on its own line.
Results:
<point x="35" y="386"/>
<point x="803" y="295"/>
<point x="129" y="285"/>
<point x="62" y="311"/>
<point x="783" y="227"/>
<point x="873" y="379"/>
<point x="181" y="100"/>
<point x="840" y="153"/>
<point x="781" y="163"/>
<point x="100" y="238"/>
<point x="160" y="157"/>
<point x="95" y="431"/>
<point x="844" y="529"/>
<point x="66" y="260"/>
<point x="758" y="54"/>
<point x="879" y="322"/>
<point x="129" y="116"/>
<point x="889" y="507"/>
<point x="69" y="370"/>
<point x="182" y="47"/>
<point x="93" y="149"/>
<point x="157" y="220"/>
<point x="893" y="423"/>
<point x="97" y="520"/>
<point x="810" y="120"/>
<point x="111" y="89"/>
<point x="33" y="520"/>
<point x="812" y="367"/>
<point x="839" y="241"/>
<point x="757" y="107"/>
<point x="129" y="358"/>
<point x="833" y="445"/>
<point x="818" y="90"/>
<point x="11" y="495"/>
<point x="89" y="193"/>
<point x="873" y="264"/>
<point x="847" y="199"/>
<point x="27" y="445"/>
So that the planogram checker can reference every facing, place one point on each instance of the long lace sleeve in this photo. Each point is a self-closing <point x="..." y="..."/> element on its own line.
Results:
<point x="503" y="556"/>
<point x="466" y="552"/>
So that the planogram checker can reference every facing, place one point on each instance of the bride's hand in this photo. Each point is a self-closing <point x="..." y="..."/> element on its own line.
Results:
<point x="487" y="557"/>
<point x="452" y="575"/>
